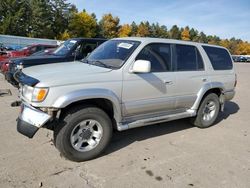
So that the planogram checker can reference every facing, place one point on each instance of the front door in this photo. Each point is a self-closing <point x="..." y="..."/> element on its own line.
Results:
<point x="150" y="93"/>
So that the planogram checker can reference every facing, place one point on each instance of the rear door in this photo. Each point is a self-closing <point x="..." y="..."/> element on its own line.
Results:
<point x="190" y="74"/>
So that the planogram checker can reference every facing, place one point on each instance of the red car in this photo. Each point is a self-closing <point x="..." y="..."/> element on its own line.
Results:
<point x="26" y="51"/>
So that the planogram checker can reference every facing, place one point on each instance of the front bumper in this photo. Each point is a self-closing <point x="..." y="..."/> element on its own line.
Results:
<point x="30" y="120"/>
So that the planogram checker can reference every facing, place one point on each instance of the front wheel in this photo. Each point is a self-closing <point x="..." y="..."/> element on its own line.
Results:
<point x="207" y="112"/>
<point x="83" y="133"/>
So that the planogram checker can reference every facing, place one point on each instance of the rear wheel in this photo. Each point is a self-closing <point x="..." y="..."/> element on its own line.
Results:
<point x="83" y="133"/>
<point x="207" y="112"/>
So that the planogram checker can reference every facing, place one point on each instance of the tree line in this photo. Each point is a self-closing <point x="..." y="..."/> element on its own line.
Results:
<point x="58" y="19"/>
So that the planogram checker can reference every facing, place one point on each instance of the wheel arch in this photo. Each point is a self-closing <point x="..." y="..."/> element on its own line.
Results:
<point x="215" y="87"/>
<point x="102" y="98"/>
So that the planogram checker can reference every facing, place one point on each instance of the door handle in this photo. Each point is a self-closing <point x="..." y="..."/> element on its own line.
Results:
<point x="168" y="82"/>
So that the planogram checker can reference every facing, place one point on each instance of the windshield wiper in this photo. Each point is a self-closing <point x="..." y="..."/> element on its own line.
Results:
<point x="101" y="63"/>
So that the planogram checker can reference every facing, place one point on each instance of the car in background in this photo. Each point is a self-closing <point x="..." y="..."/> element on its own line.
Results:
<point x="240" y="58"/>
<point x="248" y="59"/>
<point x="48" y="51"/>
<point x="26" y="51"/>
<point x="70" y="50"/>
<point x="4" y="66"/>
<point x="243" y="59"/>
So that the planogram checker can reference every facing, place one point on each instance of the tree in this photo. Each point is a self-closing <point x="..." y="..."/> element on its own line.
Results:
<point x="82" y="24"/>
<point x="134" y="29"/>
<point x="243" y="48"/>
<point x="193" y="33"/>
<point x="60" y="15"/>
<point x="175" y="32"/>
<point x="185" y="35"/>
<point x="125" y="30"/>
<point x="42" y="19"/>
<point x="64" y="36"/>
<point x="15" y="17"/>
<point x="109" y="26"/>
<point x="213" y="40"/>
<point x="201" y="38"/>
<point x="159" y="31"/>
<point x="143" y="30"/>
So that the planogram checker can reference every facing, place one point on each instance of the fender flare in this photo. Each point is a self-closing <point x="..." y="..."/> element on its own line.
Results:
<point x="93" y="93"/>
<point x="204" y="89"/>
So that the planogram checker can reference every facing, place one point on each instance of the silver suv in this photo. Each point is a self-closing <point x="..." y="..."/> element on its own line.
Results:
<point x="123" y="84"/>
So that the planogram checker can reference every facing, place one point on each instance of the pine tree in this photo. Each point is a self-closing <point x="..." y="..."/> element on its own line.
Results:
<point x="175" y="32"/>
<point x="42" y="19"/>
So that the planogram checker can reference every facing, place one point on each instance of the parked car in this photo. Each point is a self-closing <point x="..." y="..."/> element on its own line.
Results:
<point x="5" y="56"/>
<point x="26" y="51"/>
<point x="125" y="83"/>
<point x="70" y="50"/>
<point x="4" y="65"/>
<point x="44" y="52"/>
<point x="248" y="59"/>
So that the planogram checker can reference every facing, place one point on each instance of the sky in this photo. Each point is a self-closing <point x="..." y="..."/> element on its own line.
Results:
<point x="224" y="18"/>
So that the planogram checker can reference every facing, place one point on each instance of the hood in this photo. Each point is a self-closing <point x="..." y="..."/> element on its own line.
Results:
<point x="33" y="60"/>
<point x="64" y="73"/>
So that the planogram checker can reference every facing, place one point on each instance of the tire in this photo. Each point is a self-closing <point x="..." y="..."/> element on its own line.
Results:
<point x="207" y="112"/>
<point x="83" y="133"/>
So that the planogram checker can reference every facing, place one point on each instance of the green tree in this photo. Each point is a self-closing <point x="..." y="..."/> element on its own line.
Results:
<point x="175" y="32"/>
<point x="109" y="26"/>
<point x="193" y="33"/>
<point x="15" y="17"/>
<point x="60" y="15"/>
<point x="82" y="24"/>
<point x="42" y="19"/>
<point x="159" y="31"/>
<point x="134" y="29"/>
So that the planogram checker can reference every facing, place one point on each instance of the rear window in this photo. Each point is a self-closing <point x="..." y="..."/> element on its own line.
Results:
<point x="219" y="58"/>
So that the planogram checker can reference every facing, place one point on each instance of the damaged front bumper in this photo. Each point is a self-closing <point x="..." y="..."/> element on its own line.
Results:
<point x="30" y="120"/>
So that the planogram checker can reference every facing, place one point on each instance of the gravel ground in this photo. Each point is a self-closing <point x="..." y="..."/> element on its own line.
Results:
<point x="172" y="154"/>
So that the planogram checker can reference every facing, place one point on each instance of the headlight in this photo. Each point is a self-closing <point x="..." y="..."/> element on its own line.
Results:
<point x="34" y="94"/>
<point x="19" y="67"/>
<point x="27" y="92"/>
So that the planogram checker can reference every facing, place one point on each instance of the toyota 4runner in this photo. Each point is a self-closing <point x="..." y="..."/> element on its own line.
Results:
<point x="123" y="84"/>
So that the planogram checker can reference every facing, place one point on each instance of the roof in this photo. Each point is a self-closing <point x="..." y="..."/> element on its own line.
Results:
<point x="159" y="40"/>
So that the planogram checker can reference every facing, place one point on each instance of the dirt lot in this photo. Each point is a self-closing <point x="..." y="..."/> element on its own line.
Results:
<point x="172" y="154"/>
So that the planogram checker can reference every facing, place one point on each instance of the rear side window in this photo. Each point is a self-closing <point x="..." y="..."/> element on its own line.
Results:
<point x="188" y="58"/>
<point x="219" y="58"/>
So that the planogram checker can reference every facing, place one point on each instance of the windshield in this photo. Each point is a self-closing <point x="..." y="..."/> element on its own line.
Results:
<point x="65" y="48"/>
<point x="113" y="53"/>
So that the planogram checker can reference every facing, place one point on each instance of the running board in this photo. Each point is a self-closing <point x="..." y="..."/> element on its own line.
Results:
<point x="154" y="120"/>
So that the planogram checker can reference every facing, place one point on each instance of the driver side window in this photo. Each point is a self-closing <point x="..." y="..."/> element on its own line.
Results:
<point x="159" y="55"/>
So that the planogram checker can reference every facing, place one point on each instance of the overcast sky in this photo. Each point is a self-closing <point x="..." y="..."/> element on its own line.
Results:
<point x="224" y="18"/>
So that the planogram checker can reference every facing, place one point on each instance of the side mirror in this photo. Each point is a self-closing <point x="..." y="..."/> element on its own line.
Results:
<point x="141" y="66"/>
